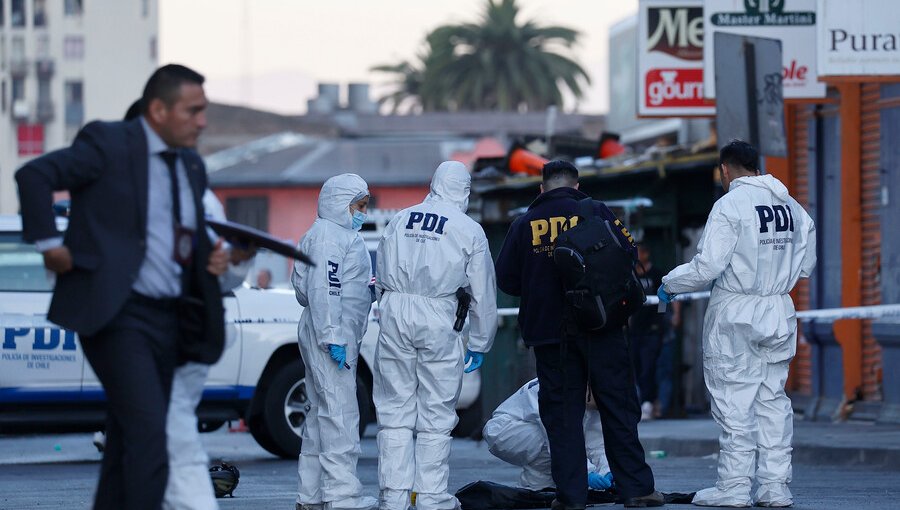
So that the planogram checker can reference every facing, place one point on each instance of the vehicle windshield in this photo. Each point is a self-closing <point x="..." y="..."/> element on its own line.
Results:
<point x="21" y="267"/>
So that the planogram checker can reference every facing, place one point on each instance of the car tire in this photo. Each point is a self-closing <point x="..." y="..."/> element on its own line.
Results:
<point x="470" y="421"/>
<point x="257" y="425"/>
<point x="366" y="405"/>
<point x="285" y="408"/>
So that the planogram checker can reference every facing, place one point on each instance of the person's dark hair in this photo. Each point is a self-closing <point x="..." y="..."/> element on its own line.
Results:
<point x="739" y="153"/>
<point x="165" y="84"/>
<point x="559" y="173"/>
<point x="134" y="111"/>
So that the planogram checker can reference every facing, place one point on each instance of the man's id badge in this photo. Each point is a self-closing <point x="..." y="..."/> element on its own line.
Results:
<point x="184" y="245"/>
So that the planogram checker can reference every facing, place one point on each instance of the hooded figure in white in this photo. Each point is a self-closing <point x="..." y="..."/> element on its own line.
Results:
<point x="189" y="486"/>
<point x="337" y="299"/>
<point x="428" y="251"/>
<point x="516" y="435"/>
<point x="758" y="241"/>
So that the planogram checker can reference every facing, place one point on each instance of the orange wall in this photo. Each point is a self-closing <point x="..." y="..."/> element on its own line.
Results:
<point x="293" y="210"/>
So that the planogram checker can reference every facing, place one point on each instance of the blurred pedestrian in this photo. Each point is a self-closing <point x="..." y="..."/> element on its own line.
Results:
<point x="189" y="486"/>
<point x="136" y="248"/>
<point x="264" y="279"/>
<point x="758" y="241"/>
<point x="646" y="330"/>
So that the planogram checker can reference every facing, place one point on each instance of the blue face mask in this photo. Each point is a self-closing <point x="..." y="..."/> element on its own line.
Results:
<point x="358" y="219"/>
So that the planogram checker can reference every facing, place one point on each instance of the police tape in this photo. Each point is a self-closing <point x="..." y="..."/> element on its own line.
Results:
<point x="826" y="314"/>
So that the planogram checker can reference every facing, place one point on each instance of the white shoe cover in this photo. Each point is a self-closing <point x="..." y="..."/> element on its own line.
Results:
<point x="736" y="497"/>
<point x="774" y="495"/>
<point x="354" y="503"/>
<point x="393" y="499"/>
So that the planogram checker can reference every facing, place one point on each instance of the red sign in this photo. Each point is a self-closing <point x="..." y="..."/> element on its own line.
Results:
<point x="674" y="88"/>
<point x="31" y="139"/>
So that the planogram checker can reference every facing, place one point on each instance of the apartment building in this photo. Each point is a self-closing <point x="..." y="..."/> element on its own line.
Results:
<point x="64" y="63"/>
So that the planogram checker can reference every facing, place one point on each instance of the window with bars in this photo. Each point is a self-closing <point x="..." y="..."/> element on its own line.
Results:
<point x="252" y="211"/>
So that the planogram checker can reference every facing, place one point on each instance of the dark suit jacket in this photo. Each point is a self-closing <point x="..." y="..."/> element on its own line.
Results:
<point x="105" y="171"/>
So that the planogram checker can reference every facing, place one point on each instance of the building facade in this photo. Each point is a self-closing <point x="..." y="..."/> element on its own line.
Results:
<point x="64" y="63"/>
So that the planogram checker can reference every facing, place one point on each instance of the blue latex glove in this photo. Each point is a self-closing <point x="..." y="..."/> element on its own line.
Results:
<point x="477" y="359"/>
<point x="339" y="355"/>
<point x="600" y="482"/>
<point x="664" y="296"/>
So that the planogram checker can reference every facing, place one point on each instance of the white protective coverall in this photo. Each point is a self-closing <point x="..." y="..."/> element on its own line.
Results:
<point x="189" y="486"/>
<point x="337" y="300"/>
<point x="758" y="241"/>
<point x="516" y="435"/>
<point x="427" y="252"/>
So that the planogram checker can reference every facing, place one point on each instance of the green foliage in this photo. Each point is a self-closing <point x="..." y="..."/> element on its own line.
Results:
<point x="495" y="64"/>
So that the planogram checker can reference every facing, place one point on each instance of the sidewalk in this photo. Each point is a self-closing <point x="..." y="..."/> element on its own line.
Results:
<point x="840" y="444"/>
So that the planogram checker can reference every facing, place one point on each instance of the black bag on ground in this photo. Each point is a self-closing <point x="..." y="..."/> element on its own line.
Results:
<point x="597" y="272"/>
<point x="484" y="495"/>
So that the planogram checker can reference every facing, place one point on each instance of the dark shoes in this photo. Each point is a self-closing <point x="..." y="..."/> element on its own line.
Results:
<point x="557" y="505"/>
<point x="652" y="499"/>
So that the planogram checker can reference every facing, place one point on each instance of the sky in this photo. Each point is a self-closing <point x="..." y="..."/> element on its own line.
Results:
<point x="270" y="54"/>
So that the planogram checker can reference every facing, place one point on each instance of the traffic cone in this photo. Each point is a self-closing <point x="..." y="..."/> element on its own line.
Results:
<point x="520" y="160"/>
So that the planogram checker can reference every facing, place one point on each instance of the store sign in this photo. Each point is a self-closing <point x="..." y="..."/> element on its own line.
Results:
<point x="859" y="37"/>
<point x="670" y="59"/>
<point x="31" y="139"/>
<point x="793" y="22"/>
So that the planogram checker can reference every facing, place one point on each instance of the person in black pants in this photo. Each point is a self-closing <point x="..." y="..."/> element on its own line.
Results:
<point x="135" y="254"/>
<point x="645" y="334"/>
<point x="566" y="364"/>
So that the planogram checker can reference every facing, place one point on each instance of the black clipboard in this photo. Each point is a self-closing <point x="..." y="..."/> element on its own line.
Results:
<point x="249" y="235"/>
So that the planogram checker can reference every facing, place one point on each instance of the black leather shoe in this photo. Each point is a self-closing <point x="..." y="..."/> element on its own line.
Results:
<point x="557" y="505"/>
<point x="652" y="499"/>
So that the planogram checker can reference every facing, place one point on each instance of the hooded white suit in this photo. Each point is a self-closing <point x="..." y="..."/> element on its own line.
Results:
<point x="189" y="486"/>
<point x="757" y="243"/>
<point x="337" y="300"/>
<point x="427" y="252"/>
<point x="516" y="435"/>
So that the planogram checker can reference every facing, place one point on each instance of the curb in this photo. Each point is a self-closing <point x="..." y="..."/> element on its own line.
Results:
<point x="885" y="458"/>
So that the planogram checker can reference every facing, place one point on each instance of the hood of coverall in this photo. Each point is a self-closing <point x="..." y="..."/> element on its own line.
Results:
<point x="451" y="183"/>
<point x="763" y="181"/>
<point x="336" y="196"/>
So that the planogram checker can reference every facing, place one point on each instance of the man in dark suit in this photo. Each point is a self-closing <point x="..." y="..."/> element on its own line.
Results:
<point x="136" y="272"/>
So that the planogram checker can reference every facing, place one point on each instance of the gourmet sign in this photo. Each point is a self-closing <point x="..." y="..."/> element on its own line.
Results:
<point x="793" y="22"/>
<point x="670" y="59"/>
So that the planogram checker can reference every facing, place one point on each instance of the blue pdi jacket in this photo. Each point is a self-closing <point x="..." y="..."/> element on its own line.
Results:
<point x="525" y="265"/>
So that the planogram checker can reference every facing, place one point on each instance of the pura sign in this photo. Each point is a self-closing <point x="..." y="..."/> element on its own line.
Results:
<point x="859" y="37"/>
<point x="670" y="59"/>
<point x="793" y="22"/>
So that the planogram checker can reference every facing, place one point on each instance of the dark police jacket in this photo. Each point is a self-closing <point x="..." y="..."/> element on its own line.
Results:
<point x="525" y="265"/>
<point x="105" y="171"/>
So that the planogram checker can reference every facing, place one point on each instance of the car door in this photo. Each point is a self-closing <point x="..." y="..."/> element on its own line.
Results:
<point x="39" y="361"/>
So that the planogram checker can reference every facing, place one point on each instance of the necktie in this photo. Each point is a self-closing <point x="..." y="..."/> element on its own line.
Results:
<point x="171" y="157"/>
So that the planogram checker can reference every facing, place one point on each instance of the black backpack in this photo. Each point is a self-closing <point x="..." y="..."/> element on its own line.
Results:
<point x="597" y="273"/>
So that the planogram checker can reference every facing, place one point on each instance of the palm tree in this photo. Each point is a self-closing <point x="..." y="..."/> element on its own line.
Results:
<point x="496" y="64"/>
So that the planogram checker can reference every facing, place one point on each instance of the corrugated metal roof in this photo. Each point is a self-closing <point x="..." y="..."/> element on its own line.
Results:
<point x="311" y="161"/>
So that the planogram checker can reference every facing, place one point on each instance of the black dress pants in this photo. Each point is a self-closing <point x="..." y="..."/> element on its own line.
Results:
<point x="645" y="350"/>
<point x="563" y="372"/>
<point x="134" y="358"/>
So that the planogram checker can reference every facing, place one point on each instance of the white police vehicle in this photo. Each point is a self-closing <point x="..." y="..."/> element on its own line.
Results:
<point x="47" y="384"/>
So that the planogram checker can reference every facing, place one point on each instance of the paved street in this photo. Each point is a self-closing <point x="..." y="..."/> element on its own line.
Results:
<point x="60" y="472"/>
